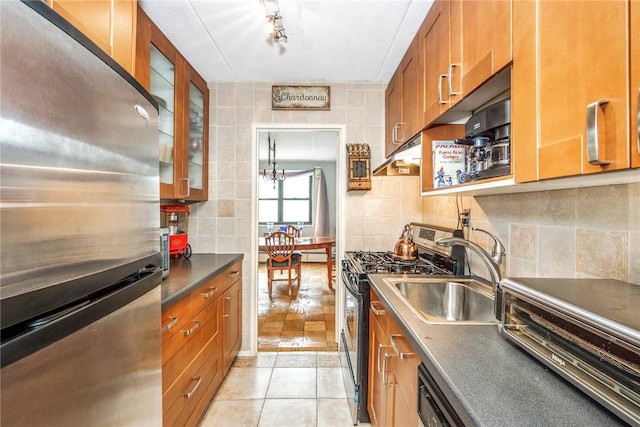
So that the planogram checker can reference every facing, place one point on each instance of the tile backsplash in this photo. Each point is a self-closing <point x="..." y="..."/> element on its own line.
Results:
<point x="583" y="232"/>
<point x="590" y="232"/>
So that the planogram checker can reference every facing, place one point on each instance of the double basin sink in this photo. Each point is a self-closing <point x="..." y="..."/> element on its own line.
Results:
<point x="447" y="300"/>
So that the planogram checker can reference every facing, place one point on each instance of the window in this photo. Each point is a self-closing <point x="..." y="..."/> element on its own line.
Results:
<point x="289" y="202"/>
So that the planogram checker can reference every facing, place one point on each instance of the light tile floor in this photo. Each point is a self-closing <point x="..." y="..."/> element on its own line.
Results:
<point x="282" y="389"/>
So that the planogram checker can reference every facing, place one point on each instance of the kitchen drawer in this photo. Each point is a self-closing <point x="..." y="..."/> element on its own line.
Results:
<point x="211" y="290"/>
<point x="175" y="317"/>
<point x="182" y="348"/>
<point x="214" y="364"/>
<point x="183" y="403"/>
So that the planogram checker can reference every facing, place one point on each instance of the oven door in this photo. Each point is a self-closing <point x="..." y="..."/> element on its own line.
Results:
<point x="350" y="343"/>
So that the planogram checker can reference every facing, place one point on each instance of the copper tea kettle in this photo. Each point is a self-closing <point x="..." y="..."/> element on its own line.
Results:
<point x="405" y="247"/>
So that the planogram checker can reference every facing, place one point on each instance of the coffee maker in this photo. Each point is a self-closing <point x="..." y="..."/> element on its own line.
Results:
<point x="488" y="133"/>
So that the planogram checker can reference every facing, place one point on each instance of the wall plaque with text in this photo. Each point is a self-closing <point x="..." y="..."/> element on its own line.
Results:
<point x="300" y="97"/>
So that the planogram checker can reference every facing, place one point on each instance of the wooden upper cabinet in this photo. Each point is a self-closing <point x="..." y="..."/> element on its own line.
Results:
<point x="634" y="9"/>
<point x="410" y="96"/>
<point x="195" y="141"/>
<point x="393" y="114"/>
<point x="183" y="99"/>
<point x="440" y="63"/>
<point x="401" y="101"/>
<point x="110" y="24"/>
<point x="570" y="88"/>
<point x="486" y="38"/>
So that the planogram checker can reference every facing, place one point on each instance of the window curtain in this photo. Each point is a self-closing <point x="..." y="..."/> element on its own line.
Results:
<point x="322" y="205"/>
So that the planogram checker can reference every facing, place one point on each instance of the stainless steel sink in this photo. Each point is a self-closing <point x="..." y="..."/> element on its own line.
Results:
<point x="457" y="301"/>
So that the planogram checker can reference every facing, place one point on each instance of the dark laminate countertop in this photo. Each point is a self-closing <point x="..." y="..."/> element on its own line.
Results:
<point x="488" y="380"/>
<point x="187" y="274"/>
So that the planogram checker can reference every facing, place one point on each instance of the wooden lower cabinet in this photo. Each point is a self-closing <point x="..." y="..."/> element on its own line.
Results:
<point x="201" y="336"/>
<point x="231" y="324"/>
<point x="404" y="366"/>
<point x="380" y="390"/>
<point x="193" y="369"/>
<point x="393" y="371"/>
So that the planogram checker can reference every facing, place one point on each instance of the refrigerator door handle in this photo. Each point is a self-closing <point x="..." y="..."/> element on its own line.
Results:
<point x="142" y="112"/>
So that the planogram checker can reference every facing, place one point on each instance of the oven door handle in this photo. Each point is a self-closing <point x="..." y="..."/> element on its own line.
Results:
<point x="346" y="278"/>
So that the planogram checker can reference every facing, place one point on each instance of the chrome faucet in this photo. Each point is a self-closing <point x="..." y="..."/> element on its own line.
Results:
<point x="498" y="250"/>
<point x="492" y="265"/>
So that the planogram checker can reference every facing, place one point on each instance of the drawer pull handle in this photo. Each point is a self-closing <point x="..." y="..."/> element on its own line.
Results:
<point x="396" y="349"/>
<point x="190" y="331"/>
<point x="210" y="293"/>
<point x="188" y="187"/>
<point x="384" y="370"/>
<point x="395" y="139"/>
<point x="234" y="273"/>
<point x="380" y="347"/>
<point x="593" y="154"/>
<point x="450" y="74"/>
<point x="377" y="311"/>
<point x="441" y="101"/>
<point x="227" y="306"/>
<point x="638" y="120"/>
<point x="171" y="324"/>
<point x="189" y="393"/>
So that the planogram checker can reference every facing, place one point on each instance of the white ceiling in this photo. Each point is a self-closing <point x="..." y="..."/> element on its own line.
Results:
<point x="329" y="41"/>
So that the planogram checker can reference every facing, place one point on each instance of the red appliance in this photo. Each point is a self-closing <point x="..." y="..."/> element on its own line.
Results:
<point x="176" y="219"/>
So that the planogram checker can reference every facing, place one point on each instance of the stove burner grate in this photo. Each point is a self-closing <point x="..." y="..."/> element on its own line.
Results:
<point x="386" y="262"/>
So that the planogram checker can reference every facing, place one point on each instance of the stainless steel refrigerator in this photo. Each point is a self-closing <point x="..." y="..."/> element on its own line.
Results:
<point x="80" y="263"/>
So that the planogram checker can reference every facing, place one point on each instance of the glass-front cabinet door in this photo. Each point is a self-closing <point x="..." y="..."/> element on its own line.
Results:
<point x="183" y="104"/>
<point x="197" y="137"/>
<point x="162" y="84"/>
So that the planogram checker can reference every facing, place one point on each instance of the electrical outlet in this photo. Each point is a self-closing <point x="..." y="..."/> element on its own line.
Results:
<point x="465" y="218"/>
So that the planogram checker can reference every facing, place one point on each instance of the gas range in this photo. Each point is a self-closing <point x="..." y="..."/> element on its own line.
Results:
<point x="431" y="260"/>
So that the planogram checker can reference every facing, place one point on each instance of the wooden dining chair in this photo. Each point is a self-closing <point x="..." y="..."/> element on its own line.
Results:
<point x="295" y="232"/>
<point x="279" y="247"/>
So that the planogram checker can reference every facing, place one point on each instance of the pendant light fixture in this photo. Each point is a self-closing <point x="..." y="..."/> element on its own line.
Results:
<point x="273" y="174"/>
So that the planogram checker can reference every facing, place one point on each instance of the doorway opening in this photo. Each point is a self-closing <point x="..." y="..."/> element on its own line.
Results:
<point x="313" y="154"/>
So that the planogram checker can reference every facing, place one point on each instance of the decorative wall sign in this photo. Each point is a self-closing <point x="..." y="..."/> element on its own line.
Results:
<point x="300" y="97"/>
<point x="358" y="162"/>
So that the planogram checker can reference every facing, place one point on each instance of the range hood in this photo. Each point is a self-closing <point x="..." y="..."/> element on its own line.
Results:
<point x="404" y="162"/>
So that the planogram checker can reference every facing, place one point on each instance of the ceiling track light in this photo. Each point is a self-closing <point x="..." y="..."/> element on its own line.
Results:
<point x="278" y="33"/>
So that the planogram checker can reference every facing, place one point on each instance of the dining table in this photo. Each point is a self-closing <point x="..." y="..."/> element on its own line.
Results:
<point x="308" y="243"/>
